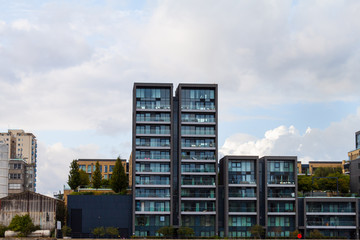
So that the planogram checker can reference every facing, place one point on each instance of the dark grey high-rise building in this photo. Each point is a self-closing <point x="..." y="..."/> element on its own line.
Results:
<point x="174" y="157"/>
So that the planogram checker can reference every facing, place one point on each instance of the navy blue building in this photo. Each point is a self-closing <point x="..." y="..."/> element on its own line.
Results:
<point x="86" y="212"/>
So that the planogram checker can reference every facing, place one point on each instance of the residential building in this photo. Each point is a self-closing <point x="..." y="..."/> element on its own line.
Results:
<point x="310" y="168"/>
<point x="354" y="159"/>
<point x="239" y="175"/>
<point x="106" y="166"/>
<point x="278" y="195"/>
<point x="21" y="176"/>
<point x="4" y="169"/>
<point x="153" y="157"/>
<point x="22" y="145"/>
<point x="174" y="157"/>
<point x="335" y="217"/>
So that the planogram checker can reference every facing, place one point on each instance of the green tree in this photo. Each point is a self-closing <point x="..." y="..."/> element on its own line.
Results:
<point x="118" y="181"/>
<point x="84" y="178"/>
<point x="22" y="224"/>
<point x="105" y="183"/>
<point x="257" y="231"/>
<point x="96" y="176"/>
<point x="304" y="183"/>
<point x="74" y="175"/>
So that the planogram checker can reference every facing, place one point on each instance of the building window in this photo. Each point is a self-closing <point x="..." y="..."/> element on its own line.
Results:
<point x="89" y="168"/>
<point x="105" y="168"/>
<point x="14" y="176"/>
<point x="47" y="217"/>
<point x="17" y="165"/>
<point x="358" y="165"/>
<point x="111" y="168"/>
<point x="14" y="186"/>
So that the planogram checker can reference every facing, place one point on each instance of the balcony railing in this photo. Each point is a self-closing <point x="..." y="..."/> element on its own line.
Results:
<point x="242" y="195"/>
<point x="289" y="182"/>
<point x="330" y="210"/>
<point x="280" y="209"/>
<point x="154" y="195"/>
<point x="199" y="209"/>
<point x="139" y="131"/>
<point x="153" y="169"/>
<point x="198" y="132"/>
<point x="154" y="156"/>
<point x="153" y="209"/>
<point x="187" y="157"/>
<point x="198" y="195"/>
<point x="152" y="119"/>
<point x="199" y="120"/>
<point x="242" y="209"/>
<point x="331" y="223"/>
<point x="153" y="145"/>
<point x="281" y="195"/>
<point x="199" y="145"/>
<point x="152" y="182"/>
<point x="198" y="182"/>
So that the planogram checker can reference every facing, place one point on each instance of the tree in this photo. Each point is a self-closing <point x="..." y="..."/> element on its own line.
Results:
<point x="257" y="231"/>
<point x="105" y="183"/>
<point x="316" y="234"/>
<point x="74" y="175"/>
<point x="84" y="178"/>
<point x="22" y="224"/>
<point x="96" y="176"/>
<point x="118" y="181"/>
<point x="304" y="183"/>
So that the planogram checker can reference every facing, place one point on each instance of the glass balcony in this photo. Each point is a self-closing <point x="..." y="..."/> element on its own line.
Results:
<point x="331" y="223"/>
<point x="197" y="180"/>
<point x="147" y="181"/>
<point x="321" y="207"/>
<point x="152" y="131"/>
<point x="154" y="156"/>
<point x="197" y="168"/>
<point x="281" y="178"/>
<point x="153" y="167"/>
<point x="198" y="132"/>
<point x="203" y="155"/>
<point x="277" y="206"/>
<point x="153" y="117"/>
<point x="152" y="206"/>
<point x="242" y="209"/>
<point x="155" y="193"/>
<point x="198" y="118"/>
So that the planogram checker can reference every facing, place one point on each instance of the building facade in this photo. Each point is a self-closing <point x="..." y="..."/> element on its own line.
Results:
<point x="106" y="166"/>
<point x="278" y="195"/>
<point x="174" y="157"/>
<point x="239" y="175"/>
<point x="335" y="217"/>
<point x="21" y="176"/>
<point x="22" y="145"/>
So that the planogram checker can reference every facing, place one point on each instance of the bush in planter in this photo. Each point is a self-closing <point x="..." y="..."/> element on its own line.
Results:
<point x="167" y="232"/>
<point x="185" y="232"/>
<point x="66" y="231"/>
<point x="99" y="231"/>
<point x="22" y="224"/>
<point x="112" y="231"/>
<point x="2" y="230"/>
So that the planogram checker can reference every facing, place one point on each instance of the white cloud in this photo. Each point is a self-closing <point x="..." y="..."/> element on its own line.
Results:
<point x="332" y="143"/>
<point x="54" y="164"/>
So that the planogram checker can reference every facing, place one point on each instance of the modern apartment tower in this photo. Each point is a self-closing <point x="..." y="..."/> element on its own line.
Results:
<point x="174" y="157"/>
<point x="240" y="180"/>
<point x="197" y="151"/>
<point x="279" y="195"/>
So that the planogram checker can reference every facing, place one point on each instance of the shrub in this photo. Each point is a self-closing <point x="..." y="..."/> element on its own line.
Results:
<point x="316" y="234"/>
<point x="185" y="232"/>
<point x="66" y="231"/>
<point x="22" y="224"/>
<point x="167" y="232"/>
<point x="99" y="231"/>
<point x="2" y="230"/>
<point x="112" y="231"/>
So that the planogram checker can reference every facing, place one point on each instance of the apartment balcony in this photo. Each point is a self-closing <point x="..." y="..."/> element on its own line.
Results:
<point x="148" y="147"/>
<point x="331" y="224"/>
<point x="152" y="173"/>
<point x="198" y="211"/>
<point x="152" y="108"/>
<point x="153" y="212"/>
<point x="198" y="196"/>
<point x="198" y="173"/>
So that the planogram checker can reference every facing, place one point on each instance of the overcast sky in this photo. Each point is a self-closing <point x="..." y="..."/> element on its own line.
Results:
<point x="288" y="73"/>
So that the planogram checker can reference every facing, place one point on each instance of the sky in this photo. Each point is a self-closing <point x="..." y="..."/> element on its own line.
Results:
<point x="287" y="72"/>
